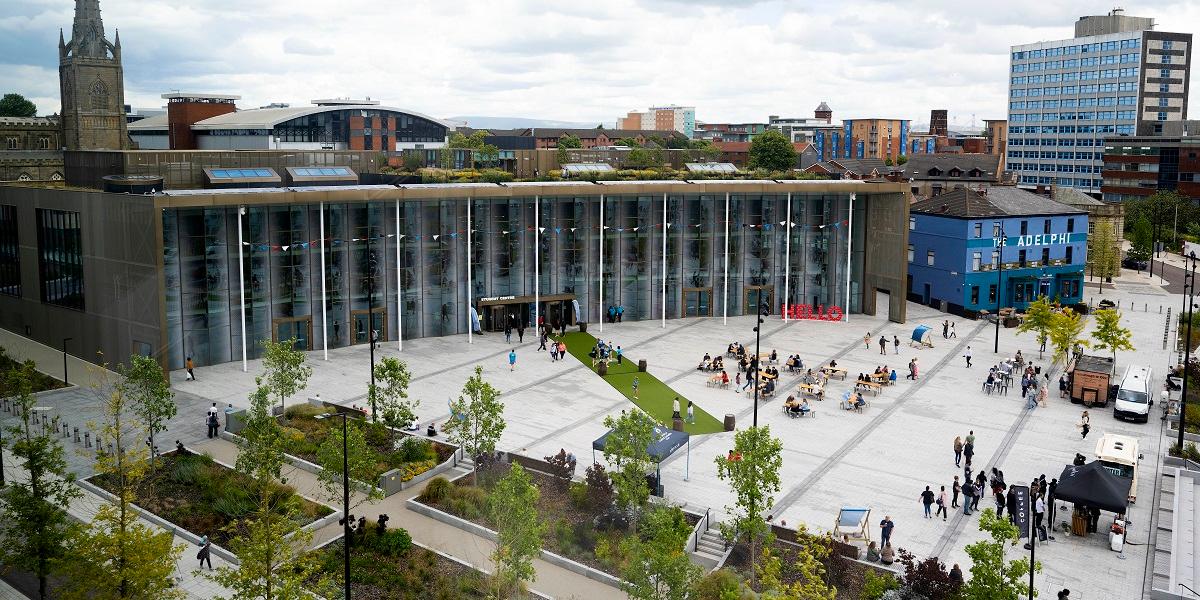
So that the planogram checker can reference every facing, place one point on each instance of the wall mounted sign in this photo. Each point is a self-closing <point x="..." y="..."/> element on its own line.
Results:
<point x="803" y="312"/>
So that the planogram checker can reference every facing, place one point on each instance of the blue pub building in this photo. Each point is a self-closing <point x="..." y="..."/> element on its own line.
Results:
<point x="958" y="239"/>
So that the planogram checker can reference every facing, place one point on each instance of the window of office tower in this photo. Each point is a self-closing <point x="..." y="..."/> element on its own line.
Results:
<point x="60" y="258"/>
<point x="10" y="252"/>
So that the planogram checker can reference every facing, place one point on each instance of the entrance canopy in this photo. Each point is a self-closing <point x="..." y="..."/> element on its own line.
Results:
<point x="1094" y="485"/>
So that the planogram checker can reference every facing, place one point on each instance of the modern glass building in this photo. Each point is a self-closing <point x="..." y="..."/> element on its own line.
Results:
<point x="328" y="265"/>
<point x="1115" y="77"/>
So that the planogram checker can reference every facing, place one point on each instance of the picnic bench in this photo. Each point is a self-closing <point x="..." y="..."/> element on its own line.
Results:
<point x="871" y="386"/>
<point x="715" y="381"/>
<point x="847" y="403"/>
<point x="816" y="391"/>
<point x="838" y="372"/>
<point x="796" y="414"/>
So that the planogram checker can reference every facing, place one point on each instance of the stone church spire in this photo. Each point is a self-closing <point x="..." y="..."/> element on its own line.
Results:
<point x="87" y="34"/>
<point x="92" y="85"/>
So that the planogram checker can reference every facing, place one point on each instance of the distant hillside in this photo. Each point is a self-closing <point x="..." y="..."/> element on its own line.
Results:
<point x="480" y="122"/>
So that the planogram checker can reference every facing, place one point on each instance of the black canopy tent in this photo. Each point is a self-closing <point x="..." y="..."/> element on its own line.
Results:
<point x="664" y="443"/>
<point x="1094" y="485"/>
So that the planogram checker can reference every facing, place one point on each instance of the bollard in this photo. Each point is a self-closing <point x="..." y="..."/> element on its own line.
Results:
<point x="87" y="439"/>
<point x="76" y="435"/>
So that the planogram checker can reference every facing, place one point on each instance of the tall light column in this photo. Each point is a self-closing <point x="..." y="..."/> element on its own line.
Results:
<point x="241" y="285"/>
<point x="537" y="266"/>
<point x="849" y="244"/>
<point x="787" y="259"/>
<point x="601" y="263"/>
<point x="725" y="303"/>
<point x="470" y="286"/>
<point x="664" y="263"/>
<point x="399" y="286"/>
<point x="324" y="309"/>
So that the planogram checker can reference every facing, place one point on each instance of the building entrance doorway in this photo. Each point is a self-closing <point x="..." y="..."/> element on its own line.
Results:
<point x="299" y="328"/>
<point x="499" y="312"/>
<point x="360" y="327"/>
<point x="697" y="302"/>
<point x="755" y="295"/>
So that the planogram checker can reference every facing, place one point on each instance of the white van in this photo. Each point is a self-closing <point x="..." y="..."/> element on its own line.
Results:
<point x="1134" y="397"/>
<point x="1120" y="455"/>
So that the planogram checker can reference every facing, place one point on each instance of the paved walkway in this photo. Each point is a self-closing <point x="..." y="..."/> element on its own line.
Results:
<point x="551" y="580"/>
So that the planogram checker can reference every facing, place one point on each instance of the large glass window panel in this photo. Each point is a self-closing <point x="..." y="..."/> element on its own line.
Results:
<point x="60" y="258"/>
<point x="10" y="253"/>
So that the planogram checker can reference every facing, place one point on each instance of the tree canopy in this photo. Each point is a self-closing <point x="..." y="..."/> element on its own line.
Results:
<point x="16" y="105"/>
<point x="771" y="150"/>
<point x="625" y="450"/>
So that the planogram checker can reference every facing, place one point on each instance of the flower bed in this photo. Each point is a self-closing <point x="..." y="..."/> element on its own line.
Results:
<point x="41" y="381"/>
<point x="570" y="516"/>
<point x="205" y="497"/>
<point x="389" y="566"/>
<point x="411" y="455"/>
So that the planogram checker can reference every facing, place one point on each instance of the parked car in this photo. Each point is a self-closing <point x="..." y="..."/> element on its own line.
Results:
<point x="1133" y="263"/>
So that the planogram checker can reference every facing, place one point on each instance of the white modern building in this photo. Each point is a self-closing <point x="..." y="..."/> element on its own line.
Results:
<point x="1117" y="76"/>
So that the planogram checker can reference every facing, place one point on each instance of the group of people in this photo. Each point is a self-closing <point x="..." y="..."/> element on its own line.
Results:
<point x="881" y="372"/>
<point x="796" y="409"/>
<point x="616" y="313"/>
<point x="605" y="352"/>
<point x="794" y="363"/>
<point x="708" y="363"/>
<point x="883" y="343"/>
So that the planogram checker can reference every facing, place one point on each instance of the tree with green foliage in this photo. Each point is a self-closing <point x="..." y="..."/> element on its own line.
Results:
<point x="888" y="161"/>
<point x="1104" y="252"/>
<point x="16" y="105"/>
<point x="927" y="578"/>
<point x="626" y="452"/>
<point x="1109" y="335"/>
<point x="1141" y="239"/>
<point x="752" y="470"/>
<point x="1039" y="318"/>
<point x="901" y="159"/>
<point x="115" y="556"/>
<point x="1065" y="333"/>
<point x="285" y="371"/>
<point x="644" y="158"/>
<point x="389" y="393"/>
<point x="570" y="141"/>
<point x="562" y="156"/>
<point x="628" y="143"/>
<point x="772" y="151"/>
<point x="875" y="586"/>
<point x="658" y="566"/>
<point x="149" y="394"/>
<point x="809" y="569"/>
<point x="476" y="419"/>
<point x="413" y="160"/>
<point x="34" y="525"/>
<point x="512" y="506"/>
<point x="992" y="577"/>
<point x="272" y="547"/>
<point x="473" y="141"/>
<point x="358" y="457"/>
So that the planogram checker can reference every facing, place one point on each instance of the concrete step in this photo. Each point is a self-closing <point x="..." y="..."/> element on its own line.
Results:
<point x="710" y="547"/>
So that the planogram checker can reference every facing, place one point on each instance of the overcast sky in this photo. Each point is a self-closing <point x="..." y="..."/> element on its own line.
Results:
<point x="734" y="60"/>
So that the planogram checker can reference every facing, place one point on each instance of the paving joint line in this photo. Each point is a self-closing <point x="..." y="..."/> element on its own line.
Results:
<point x="801" y="488"/>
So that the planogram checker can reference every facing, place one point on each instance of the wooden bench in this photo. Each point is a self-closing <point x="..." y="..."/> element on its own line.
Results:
<point x="838" y="372"/>
<point x="715" y="381"/>
<point x="815" y="391"/>
<point x="849" y="404"/>
<point x="869" y="385"/>
<point x="797" y="414"/>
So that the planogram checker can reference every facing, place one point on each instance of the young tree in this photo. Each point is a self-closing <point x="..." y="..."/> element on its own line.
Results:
<point x="570" y="141"/>
<point x="772" y="151"/>
<point x="1039" y="318"/>
<point x="928" y="578"/>
<point x="658" y="566"/>
<point x="993" y="578"/>
<point x="625" y="451"/>
<point x="512" y="506"/>
<point x="16" y="105"/>
<point x="149" y="395"/>
<point x="1065" y="333"/>
<point x="389" y="393"/>
<point x="286" y="374"/>
<point x="562" y="156"/>
<point x="33" y="510"/>
<point x="358" y="456"/>
<point x="809" y="567"/>
<point x="274" y="561"/>
<point x="1141" y="239"/>
<point x="1104" y="253"/>
<point x="752" y="470"/>
<point x="115" y="556"/>
<point x="1109" y="335"/>
<point x="476" y="419"/>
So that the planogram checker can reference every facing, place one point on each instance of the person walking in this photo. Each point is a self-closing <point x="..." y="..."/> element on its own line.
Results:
<point x="214" y="425"/>
<point x="191" y="375"/>
<point x="620" y="313"/>
<point x="1041" y="395"/>
<point x="512" y="360"/>
<point x="635" y="394"/>
<point x="1085" y="424"/>
<point x="968" y="451"/>
<point x="620" y="356"/>
<point x="967" y="356"/>
<point x="542" y="341"/>
<point x="955" y="490"/>
<point x="883" y="344"/>
<point x="508" y="334"/>
<point x="675" y="408"/>
<point x="885" y="530"/>
<point x="691" y="413"/>
<point x="927" y="500"/>
<point x="958" y="450"/>
<point x="867" y="340"/>
<point x="520" y="334"/>
<point x="941" y="503"/>
<point x="203" y="554"/>
<point x="912" y="370"/>
<point x="946" y="329"/>
<point x="896" y="343"/>
<point x="953" y="333"/>
<point x="978" y="489"/>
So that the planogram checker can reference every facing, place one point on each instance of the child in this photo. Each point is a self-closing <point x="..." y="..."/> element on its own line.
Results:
<point x="635" y="389"/>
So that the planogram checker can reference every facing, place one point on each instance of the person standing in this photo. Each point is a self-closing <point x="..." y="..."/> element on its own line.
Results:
<point x="620" y="313"/>
<point x="229" y="411"/>
<point x="214" y="425"/>
<point x="867" y="340"/>
<point x="512" y="360"/>
<point x="968" y="493"/>
<point x="691" y="414"/>
<point x="508" y="333"/>
<point x="620" y="356"/>
<point x="520" y="334"/>
<point x="190" y="374"/>
<point x="956" y="575"/>
<point x="955" y="489"/>
<point x="1085" y="424"/>
<point x="896" y="343"/>
<point x="967" y="356"/>
<point x="1041" y="395"/>
<point x="971" y="437"/>
<point x="1053" y="485"/>
<point x="885" y="530"/>
<point x="953" y="334"/>
<point x="675" y="408"/>
<point x="958" y="450"/>
<point x="635" y="394"/>
<point x="883" y="344"/>
<point x="946" y="329"/>
<point x="927" y="501"/>
<point x="1011" y="502"/>
<point x="978" y="489"/>
<point x="941" y="503"/>
<point x="203" y="554"/>
<point x="1039" y="511"/>
<point x="968" y="451"/>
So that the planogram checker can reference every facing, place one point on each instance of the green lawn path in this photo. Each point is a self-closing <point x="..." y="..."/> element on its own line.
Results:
<point x="655" y="396"/>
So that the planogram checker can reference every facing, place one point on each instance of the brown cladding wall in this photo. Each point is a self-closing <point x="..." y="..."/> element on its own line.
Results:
<point x="182" y="115"/>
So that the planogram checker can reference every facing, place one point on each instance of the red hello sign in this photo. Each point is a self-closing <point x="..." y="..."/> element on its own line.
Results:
<point x="800" y="312"/>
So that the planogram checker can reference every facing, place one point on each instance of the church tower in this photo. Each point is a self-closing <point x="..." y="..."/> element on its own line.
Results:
<point x="92" y="84"/>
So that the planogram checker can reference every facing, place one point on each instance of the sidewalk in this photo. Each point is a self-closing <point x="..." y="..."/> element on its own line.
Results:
<point x="551" y="580"/>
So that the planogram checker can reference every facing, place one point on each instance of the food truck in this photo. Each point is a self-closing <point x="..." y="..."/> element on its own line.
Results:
<point x="1090" y="378"/>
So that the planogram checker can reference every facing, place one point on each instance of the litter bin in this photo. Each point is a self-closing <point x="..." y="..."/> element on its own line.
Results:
<point x="642" y="366"/>
<point x="602" y="369"/>
<point x="677" y="424"/>
<point x="1116" y="536"/>
<point x="729" y="422"/>
<point x="582" y="327"/>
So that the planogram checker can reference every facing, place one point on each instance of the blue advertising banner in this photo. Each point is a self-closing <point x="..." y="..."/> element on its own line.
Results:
<point x="903" y="135"/>
<point x="930" y="147"/>
<point x="859" y="149"/>
<point x="846" y="135"/>
<point x="819" y="140"/>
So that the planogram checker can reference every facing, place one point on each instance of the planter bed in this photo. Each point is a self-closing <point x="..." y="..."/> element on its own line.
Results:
<point x="41" y="381"/>
<point x="846" y="573"/>
<point x="570" y="532"/>
<point x="205" y="497"/>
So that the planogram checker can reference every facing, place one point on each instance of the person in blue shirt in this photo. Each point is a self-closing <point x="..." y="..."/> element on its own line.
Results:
<point x="620" y="313"/>
<point x="620" y="357"/>
<point x="512" y="359"/>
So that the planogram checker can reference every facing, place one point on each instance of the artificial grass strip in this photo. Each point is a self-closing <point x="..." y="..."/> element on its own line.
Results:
<point x="655" y="396"/>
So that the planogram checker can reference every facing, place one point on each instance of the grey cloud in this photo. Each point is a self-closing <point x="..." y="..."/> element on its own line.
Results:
<point x="295" y="45"/>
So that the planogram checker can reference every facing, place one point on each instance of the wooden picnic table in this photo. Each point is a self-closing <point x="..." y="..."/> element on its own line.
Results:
<point x="870" y="385"/>
<point x="838" y="372"/>
<point x="816" y="391"/>
<point x="879" y="377"/>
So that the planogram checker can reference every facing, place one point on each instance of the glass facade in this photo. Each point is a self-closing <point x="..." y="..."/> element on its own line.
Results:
<point x="60" y="258"/>
<point x="403" y="266"/>
<point x="10" y="252"/>
<point x="335" y="126"/>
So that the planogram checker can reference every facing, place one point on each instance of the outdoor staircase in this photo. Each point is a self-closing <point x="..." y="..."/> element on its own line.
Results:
<point x="1177" y="536"/>
<point x="710" y="549"/>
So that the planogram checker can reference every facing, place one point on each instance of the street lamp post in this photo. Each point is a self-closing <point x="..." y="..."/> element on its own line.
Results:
<point x="1000" y="243"/>
<point x="371" y="310"/>
<point x="345" y="502"/>
<point x="762" y="311"/>
<point x="1189" y="281"/>
<point x="64" y="353"/>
